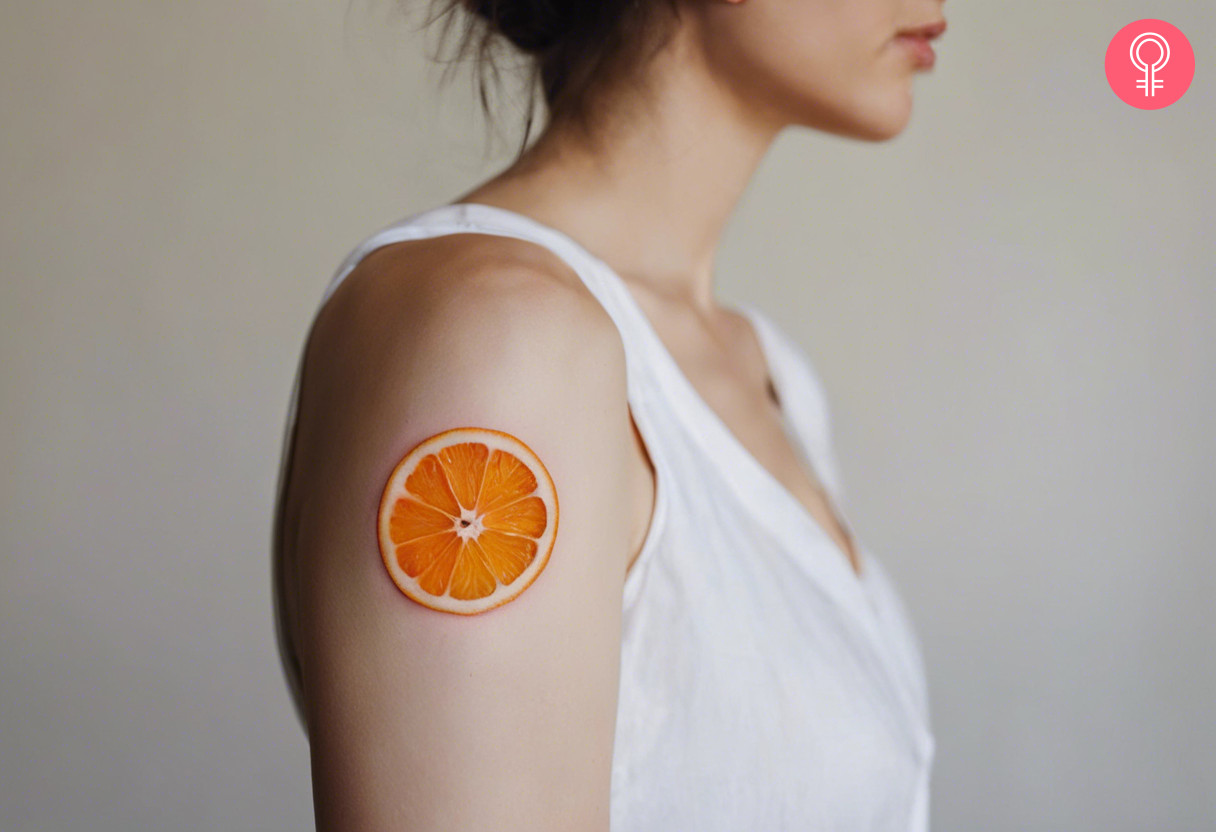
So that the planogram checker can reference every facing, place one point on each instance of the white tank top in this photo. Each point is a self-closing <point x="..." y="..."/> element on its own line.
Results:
<point x="763" y="685"/>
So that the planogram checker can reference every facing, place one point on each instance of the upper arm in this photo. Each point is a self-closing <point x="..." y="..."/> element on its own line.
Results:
<point x="421" y="719"/>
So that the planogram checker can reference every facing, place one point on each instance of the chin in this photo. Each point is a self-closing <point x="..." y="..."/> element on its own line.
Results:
<point x="881" y="130"/>
<point x="878" y="119"/>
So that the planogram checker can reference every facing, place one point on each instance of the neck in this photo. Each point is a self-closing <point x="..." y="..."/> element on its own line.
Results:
<point x="652" y="197"/>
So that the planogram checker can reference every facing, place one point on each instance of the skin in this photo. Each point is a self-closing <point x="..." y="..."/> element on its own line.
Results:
<point x="418" y="720"/>
<point x="652" y="197"/>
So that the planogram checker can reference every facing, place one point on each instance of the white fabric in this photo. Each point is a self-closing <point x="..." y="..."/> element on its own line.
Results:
<point x="763" y="686"/>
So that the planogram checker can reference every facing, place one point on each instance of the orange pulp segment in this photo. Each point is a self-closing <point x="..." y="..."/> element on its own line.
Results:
<point x="467" y="520"/>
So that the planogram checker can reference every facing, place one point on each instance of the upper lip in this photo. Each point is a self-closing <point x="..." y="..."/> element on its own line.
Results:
<point x="928" y="31"/>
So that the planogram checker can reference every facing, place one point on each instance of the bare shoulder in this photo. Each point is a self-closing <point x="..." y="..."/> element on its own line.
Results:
<point x="453" y="267"/>
<point x="465" y="308"/>
<point x="420" y="718"/>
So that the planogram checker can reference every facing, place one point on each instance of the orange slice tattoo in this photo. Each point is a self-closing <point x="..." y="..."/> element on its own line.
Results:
<point x="467" y="520"/>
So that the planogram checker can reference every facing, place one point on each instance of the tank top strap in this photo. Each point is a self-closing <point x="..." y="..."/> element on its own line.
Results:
<point x="597" y="276"/>
<point x="804" y="397"/>
<point x="805" y="401"/>
<point x="644" y="386"/>
<point x="654" y="378"/>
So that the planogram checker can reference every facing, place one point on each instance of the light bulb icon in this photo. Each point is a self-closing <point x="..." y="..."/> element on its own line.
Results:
<point x="1150" y="83"/>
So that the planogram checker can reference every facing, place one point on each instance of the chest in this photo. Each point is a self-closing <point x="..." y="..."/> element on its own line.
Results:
<point x="743" y="704"/>
<point x="754" y="418"/>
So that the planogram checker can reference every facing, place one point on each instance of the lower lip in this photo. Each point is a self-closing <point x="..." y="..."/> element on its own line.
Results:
<point x="920" y="49"/>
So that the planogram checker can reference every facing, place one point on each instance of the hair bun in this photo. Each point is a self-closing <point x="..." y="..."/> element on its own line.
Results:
<point x="532" y="25"/>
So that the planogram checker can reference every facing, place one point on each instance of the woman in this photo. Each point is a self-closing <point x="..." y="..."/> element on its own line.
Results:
<point x="559" y="541"/>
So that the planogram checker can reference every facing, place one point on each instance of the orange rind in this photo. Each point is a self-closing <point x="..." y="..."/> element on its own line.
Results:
<point x="467" y="520"/>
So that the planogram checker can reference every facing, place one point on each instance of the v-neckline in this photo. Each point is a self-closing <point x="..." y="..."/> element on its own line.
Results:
<point x="768" y="498"/>
<point x="760" y="487"/>
<point x="800" y="444"/>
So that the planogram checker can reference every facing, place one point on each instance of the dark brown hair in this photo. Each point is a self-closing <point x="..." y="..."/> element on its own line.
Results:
<point x="578" y="51"/>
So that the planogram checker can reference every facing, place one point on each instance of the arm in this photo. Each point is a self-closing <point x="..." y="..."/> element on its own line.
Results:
<point x="427" y="720"/>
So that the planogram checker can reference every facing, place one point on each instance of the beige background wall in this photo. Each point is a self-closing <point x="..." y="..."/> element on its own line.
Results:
<point x="1011" y="304"/>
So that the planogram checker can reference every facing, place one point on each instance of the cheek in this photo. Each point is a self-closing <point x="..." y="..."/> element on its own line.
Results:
<point x="830" y="50"/>
<point x="819" y="62"/>
<point x="858" y="47"/>
<point x="778" y="55"/>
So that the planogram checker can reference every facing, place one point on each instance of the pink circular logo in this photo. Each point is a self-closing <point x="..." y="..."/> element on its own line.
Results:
<point x="1149" y="64"/>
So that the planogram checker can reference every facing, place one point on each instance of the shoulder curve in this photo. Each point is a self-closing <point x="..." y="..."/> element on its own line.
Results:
<point x="453" y="342"/>
<point x="450" y="278"/>
<point x="407" y="353"/>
